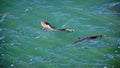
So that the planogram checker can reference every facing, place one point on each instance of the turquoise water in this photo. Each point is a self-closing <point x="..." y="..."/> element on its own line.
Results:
<point x="23" y="43"/>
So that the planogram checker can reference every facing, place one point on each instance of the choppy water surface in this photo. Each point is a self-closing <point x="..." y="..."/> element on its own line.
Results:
<point x="23" y="43"/>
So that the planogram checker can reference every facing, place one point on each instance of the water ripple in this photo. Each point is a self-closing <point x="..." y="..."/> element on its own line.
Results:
<point x="2" y="37"/>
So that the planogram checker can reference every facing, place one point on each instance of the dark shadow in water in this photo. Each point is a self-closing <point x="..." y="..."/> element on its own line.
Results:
<point x="114" y="6"/>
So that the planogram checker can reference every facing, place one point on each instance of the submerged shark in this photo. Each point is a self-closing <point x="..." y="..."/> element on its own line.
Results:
<point x="88" y="38"/>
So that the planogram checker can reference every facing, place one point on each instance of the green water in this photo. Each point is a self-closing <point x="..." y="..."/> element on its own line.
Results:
<point x="23" y="43"/>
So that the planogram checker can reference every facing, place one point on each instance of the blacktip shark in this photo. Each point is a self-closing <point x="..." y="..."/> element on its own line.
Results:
<point x="48" y="26"/>
<point x="89" y="38"/>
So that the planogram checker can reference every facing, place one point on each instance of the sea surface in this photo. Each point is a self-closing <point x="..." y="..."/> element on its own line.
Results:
<point x="24" y="43"/>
